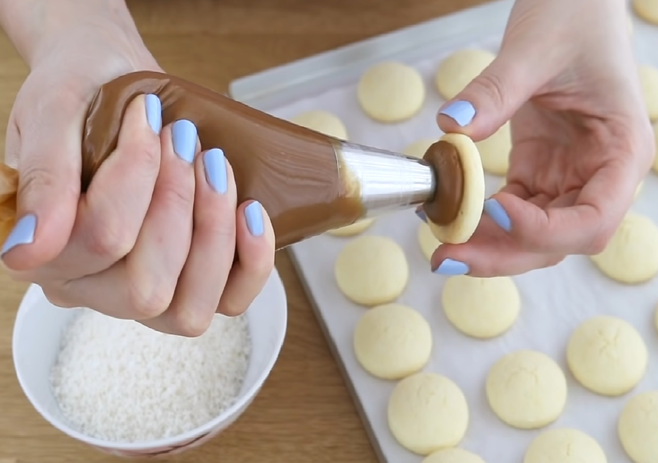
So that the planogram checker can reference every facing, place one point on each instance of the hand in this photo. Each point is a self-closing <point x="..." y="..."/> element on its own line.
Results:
<point x="154" y="237"/>
<point x="582" y="140"/>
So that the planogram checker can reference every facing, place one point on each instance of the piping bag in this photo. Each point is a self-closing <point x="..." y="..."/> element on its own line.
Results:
<point x="309" y="183"/>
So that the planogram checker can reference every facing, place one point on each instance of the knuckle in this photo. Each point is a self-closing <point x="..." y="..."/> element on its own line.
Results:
<point x="492" y="86"/>
<point x="194" y="320"/>
<point x="143" y="152"/>
<point x="555" y="260"/>
<point x="177" y="195"/>
<point x="57" y="297"/>
<point x="261" y="265"/>
<point x="109" y="239"/>
<point x="220" y="226"/>
<point x="232" y="308"/>
<point x="37" y="177"/>
<point x="600" y="241"/>
<point x="149" y="300"/>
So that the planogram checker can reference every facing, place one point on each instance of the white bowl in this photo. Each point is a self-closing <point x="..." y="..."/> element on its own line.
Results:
<point x="36" y="339"/>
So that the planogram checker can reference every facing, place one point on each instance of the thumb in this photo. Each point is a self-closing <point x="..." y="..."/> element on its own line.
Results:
<point x="48" y="185"/>
<point x="492" y="98"/>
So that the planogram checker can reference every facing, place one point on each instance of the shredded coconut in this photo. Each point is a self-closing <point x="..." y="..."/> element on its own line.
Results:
<point x="118" y="380"/>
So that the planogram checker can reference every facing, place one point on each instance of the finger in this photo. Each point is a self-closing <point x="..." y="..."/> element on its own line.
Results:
<point x="583" y="228"/>
<point x="492" y="98"/>
<point x="142" y="285"/>
<point x="492" y="252"/>
<point x="212" y="252"/>
<point x="48" y="183"/>
<point x="488" y="254"/>
<point x="255" y="244"/>
<point x="111" y="212"/>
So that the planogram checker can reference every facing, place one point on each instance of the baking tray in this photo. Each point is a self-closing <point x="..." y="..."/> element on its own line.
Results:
<point x="327" y="81"/>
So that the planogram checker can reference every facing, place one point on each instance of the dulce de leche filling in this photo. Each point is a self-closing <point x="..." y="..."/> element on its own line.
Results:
<point x="292" y="171"/>
<point x="443" y="208"/>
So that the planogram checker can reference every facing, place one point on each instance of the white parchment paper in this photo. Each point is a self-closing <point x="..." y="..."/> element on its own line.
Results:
<point x="555" y="300"/>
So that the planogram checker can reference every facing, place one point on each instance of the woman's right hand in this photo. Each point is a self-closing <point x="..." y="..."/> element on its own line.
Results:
<point x="154" y="237"/>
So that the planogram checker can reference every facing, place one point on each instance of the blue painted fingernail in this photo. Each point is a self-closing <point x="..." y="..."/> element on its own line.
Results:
<point x="22" y="233"/>
<point x="214" y="162"/>
<point x="452" y="267"/>
<point x="494" y="210"/>
<point x="154" y="112"/>
<point x="183" y="135"/>
<point x="462" y="112"/>
<point x="254" y="215"/>
<point x="421" y="215"/>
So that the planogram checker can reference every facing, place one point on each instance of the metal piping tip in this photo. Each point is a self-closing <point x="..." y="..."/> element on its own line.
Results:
<point x="387" y="181"/>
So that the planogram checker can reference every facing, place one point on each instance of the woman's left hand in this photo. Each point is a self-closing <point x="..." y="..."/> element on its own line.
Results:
<point x="582" y="139"/>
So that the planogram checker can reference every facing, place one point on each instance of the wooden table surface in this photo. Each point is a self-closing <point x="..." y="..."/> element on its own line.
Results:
<point x="304" y="412"/>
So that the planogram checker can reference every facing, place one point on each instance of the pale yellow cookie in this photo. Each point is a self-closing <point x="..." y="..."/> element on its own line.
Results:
<point x="418" y="148"/>
<point x="453" y="455"/>
<point x="427" y="241"/>
<point x="350" y="230"/>
<point x="392" y="341"/>
<point x="631" y="256"/>
<point x="607" y="355"/>
<point x="495" y="151"/>
<point x="646" y="9"/>
<point x="372" y="270"/>
<point x="649" y="82"/>
<point x="638" y="426"/>
<point x="427" y="412"/>
<point x="468" y="217"/>
<point x="526" y="389"/>
<point x="564" y="445"/>
<point x="391" y="92"/>
<point x="323" y="122"/>
<point x="481" y="307"/>
<point x="459" y="69"/>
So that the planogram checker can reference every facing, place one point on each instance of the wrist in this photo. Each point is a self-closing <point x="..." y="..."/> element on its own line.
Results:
<point x="35" y="26"/>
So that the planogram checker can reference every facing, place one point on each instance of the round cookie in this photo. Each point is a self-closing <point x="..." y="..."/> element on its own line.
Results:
<point x="371" y="270"/>
<point x="427" y="412"/>
<point x="350" y="230"/>
<point x="459" y="69"/>
<point x="323" y="122"/>
<point x="564" y="445"/>
<point x="392" y="341"/>
<point x="427" y="241"/>
<point x="637" y="427"/>
<point x="607" y="355"/>
<point x="391" y="92"/>
<point x="495" y="151"/>
<point x="481" y="307"/>
<point x="647" y="10"/>
<point x="649" y="81"/>
<point x="526" y="389"/>
<point x="462" y="228"/>
<point x="631" y="256"/>
<point x="453" y="455"/>
<point x="418" y="148"/>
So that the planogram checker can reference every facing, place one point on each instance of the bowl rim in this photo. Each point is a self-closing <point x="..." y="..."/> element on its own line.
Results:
<point x="236" y="408"/>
